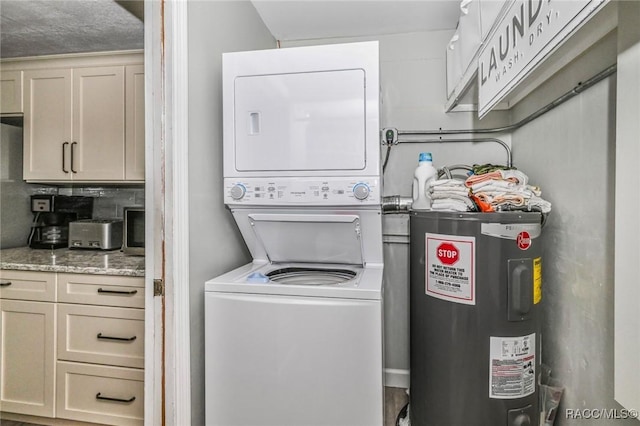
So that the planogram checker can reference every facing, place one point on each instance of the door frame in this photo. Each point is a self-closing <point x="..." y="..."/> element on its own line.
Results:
<point x="167" y="347"/>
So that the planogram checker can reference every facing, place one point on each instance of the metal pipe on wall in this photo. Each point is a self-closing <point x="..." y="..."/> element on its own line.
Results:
<point x="399" y="204"/>
<point x="579" y="88"/>
<point x="501" y="142"/>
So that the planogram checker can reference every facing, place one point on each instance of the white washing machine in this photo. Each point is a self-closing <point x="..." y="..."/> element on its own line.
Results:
<point x="295" y="336"/>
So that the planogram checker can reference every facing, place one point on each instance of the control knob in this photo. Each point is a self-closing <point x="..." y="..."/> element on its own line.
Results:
<point x="237" y="191"/>
<point x="361" y="191"/>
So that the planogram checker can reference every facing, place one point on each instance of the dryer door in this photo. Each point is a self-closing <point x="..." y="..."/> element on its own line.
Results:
<point x="300" y="121"/>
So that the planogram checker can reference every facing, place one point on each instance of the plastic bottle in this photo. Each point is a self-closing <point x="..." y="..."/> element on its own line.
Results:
<point x="423" y="174"/>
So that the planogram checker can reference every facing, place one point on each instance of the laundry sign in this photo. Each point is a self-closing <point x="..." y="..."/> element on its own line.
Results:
<point x="526" y="34"/>
<point x="450" y="268"/>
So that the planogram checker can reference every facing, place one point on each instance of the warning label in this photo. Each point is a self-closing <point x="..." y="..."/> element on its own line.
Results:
<point x="512" y="366"/>
<point x="450" y="268"/>
<point x="537" y="280"/>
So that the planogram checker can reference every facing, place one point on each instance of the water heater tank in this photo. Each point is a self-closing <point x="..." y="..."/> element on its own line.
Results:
<point x="476" y="292"/>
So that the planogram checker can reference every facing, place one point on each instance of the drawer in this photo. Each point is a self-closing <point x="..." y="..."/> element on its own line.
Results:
<point x="101" y="335"/>
<point x="28" y="285"/>
<point x="100" y="394"/>
<point x="106" y="290"/>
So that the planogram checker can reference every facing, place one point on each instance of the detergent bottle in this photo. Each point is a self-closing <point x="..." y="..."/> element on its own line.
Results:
<point x="421" y="177"/>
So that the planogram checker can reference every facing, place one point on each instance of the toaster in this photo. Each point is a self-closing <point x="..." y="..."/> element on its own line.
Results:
<point x="101" y="234"/>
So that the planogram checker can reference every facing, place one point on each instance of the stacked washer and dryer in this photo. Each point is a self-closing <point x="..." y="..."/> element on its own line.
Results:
<point x="295" y="336"/>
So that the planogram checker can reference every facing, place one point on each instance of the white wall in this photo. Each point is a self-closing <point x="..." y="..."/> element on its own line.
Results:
<point x="627" y="233"/>
<point x="215" y="244"/>
<point x="413" y="95"/>
<point x="570" y="152"/>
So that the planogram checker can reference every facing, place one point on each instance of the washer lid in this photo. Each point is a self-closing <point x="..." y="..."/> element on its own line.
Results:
<point x="311" y="238"/>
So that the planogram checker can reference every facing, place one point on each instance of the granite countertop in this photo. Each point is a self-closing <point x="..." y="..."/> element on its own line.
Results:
<point x="75" y="261"/>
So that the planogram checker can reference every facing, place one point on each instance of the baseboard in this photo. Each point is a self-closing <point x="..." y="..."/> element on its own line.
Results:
<point x="396" y="378"/>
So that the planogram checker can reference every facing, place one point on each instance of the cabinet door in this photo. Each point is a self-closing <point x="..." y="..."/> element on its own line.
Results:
<point x="47" y="124"/>
<point x="28" y="285"/>
<point x="97" y="148"/>
<point x="101" y="394"/>
<point x="27" y="357"/>
<point x="105" y="290"/>
<point x="134" y="161"/>
<point x="101" y="335"/>
<point x="11" y="92"/>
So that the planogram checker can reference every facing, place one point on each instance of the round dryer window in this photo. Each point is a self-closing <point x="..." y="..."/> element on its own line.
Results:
<point x="310" y="276"/>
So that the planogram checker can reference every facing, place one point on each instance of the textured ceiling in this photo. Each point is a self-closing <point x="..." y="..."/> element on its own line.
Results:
<point x="36" y="27"/>
<point x="45" y="27"/>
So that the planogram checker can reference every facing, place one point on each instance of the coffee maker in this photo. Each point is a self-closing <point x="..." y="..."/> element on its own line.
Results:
<point x="51" y="217"/>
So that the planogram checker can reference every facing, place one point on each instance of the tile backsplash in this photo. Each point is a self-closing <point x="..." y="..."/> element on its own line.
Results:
<point x="108" y="202"/>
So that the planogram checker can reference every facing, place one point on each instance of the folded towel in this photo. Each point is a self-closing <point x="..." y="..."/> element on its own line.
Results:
<point x="515" y="176"/>
<point x="536" y="202"/>
<point x="463" y="198"/>
<point x="446" y="183"/>
<point x="450" y="205"/>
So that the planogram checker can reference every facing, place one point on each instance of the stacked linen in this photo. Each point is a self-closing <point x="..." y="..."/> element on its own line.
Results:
<point x="502" y="189"/>
<point x="450" y="195"/>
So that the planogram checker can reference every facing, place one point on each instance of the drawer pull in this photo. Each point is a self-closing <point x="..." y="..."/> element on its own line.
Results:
<point x="122" y="339"/>
<point x="125" y="292"/>
<point x="64" y="160"/>
<point x="5" y="284"/>
<point x="107" y="398"/>
<point x="73" y="145"/>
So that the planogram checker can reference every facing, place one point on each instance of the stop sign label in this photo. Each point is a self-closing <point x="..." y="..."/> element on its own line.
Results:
<point x="447" y="253"/>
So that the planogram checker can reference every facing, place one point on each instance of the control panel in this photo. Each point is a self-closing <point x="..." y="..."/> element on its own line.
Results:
<point x="294" y="191"/>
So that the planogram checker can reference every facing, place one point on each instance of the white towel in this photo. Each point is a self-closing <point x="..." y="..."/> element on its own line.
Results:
<point x="449" y="205"/>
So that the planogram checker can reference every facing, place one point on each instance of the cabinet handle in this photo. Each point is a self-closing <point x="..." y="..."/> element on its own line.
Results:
<point x="5" y="284"/>
<point x="122" y="339"/>
<point x="72" y="151"/>
<point x="100" y="290"/>
<point x="107" y="398"/>
<point x="64" y="159"/>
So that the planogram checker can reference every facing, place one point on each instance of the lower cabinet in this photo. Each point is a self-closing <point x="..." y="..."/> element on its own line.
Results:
<point x="100" y="394"/>
<point x="77" y="351"/>
<point x="101" y="335"/>
<point x="27" y="357"/>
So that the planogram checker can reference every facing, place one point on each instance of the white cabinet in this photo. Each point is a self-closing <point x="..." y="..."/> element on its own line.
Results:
<point x="27" y="343"/>
<point x="72" y="346"/>
<point x="83" y="118"/>
<point x="97" y="135"/>
<point x="100" y="357"/>
<point x="47" y="124"/>
<point x="11" y="92"/>
<point x="134" y="122"/>
<point x="74" y="124"/>
<point x="100" y="394"/>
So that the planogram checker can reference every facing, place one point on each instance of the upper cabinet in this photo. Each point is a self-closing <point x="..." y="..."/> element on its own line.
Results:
<point x="83" y="119"/>
<point x="47" y="125"/>
<point x="97" y="133"/>
<point x="11" y="92"/>
<point x="134" y="122"/>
